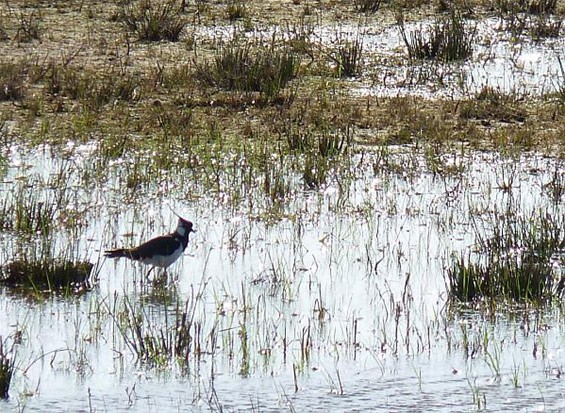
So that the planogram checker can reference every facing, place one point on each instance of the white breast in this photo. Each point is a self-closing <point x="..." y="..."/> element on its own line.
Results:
<point x="163" y="260"/>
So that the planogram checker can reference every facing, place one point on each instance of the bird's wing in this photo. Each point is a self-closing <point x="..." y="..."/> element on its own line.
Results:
<point x="165" y="245"/>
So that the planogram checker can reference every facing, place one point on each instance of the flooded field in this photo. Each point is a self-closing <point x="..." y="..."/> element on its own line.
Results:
<point x="340" y="303"/>
<point x="379" y="226"/>
<point x="528" y="66"/>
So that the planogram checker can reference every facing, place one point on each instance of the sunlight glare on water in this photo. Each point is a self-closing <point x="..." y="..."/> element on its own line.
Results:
<point x="339" y="306"/>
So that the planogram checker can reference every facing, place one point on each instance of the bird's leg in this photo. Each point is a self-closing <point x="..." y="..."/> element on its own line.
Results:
<point x="160" y="280"/>
<point x="149" y="272"/>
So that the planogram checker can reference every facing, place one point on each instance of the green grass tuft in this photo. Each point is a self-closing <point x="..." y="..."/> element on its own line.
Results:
<point x="250" y="68"/>
<point x="367" y="6"/>
<point x="348" y="58"/>
<point x="12" y="81"/>
<point x="519" y="262"/>
<point x="47" y="275"/>
<point x="154" y="20"/>
<point x="449" y="39"/>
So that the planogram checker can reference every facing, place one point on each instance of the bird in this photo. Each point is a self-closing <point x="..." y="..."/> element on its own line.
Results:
<point x="159" y="251"/>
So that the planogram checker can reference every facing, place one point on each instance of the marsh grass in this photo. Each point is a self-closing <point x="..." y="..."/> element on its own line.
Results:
<point x="157" y="339"/>
<point x="153" y="20"/>
<point x="520" y="262"/>
<point x="32" y="210"/>
<point x="299" y="37"/>
<point x="250" y="67"/>
<point x="93" y="89"/>
<point x="236" y="10"/>
<point x="34" y="206"/>
<point x="3" y="32"/>
<point x="24" y="212"/>
<point x="543" y="27"/>
<point x="494" y="105"/>
<point x="12" y="81"/>
<point x="7" y="365"/>
<point x="46" y="276"/>
<point x="537" y="26"/>
<point x="317" y="149"/>
<point x="367" y="6"/>
<point x="526" y="6"/>
<point x="348" y="58"/>
<point x="560" y="84"/>
<point x="175" y="121"/>
<point x="448" y="39"/>
<point x="28" y="27"/>
<point x="537" y="19"/>
<point x="555" y="187"/>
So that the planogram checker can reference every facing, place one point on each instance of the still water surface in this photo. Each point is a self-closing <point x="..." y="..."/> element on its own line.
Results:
<point x="339" y="304"/>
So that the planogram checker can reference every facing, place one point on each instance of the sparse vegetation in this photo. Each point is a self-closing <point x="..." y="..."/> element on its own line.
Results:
<point x="326" y="207"/>
<point x="156" y="345"/>
<point x="29" y="27"/>
<point x="7" y="363"/>
<point x="527" y="6"/>
<point x="92" y="89"/>
<point x="492" y="104"/>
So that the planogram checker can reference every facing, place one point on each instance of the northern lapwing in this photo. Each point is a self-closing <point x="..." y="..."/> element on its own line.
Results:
<point x="160" y="251"/>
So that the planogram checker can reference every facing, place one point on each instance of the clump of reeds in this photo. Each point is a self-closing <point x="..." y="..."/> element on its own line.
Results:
<point x="12" y="78"/>
<point x="28" y="27"/>
<point x="236" y="10"/>
<point x="153" y="20"/>
<point x="493" y="104"/>
<point x="7" y="362"/>
<point x="367" y="6"/>
<point x="32" y="212"/>
<point x="348" y="58"/>
<point x="448" y="39"/>
<point x="519" y="262"/>
<point x="543" y="27"/>
<point x="250" y="67"/>
<point x="92" y="89"/>
<point x="47" y="275"/>
<point x="527" y="6"/>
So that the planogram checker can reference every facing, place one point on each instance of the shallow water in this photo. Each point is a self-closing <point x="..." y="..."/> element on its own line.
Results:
<point x="504" y="61"/>
<point x="345" y="290"/>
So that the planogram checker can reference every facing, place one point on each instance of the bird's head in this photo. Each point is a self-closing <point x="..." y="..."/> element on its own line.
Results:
<point x="184" y="227"/>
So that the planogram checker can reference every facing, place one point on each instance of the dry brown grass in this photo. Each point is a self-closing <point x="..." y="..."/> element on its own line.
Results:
<point x="89" y="76"/>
